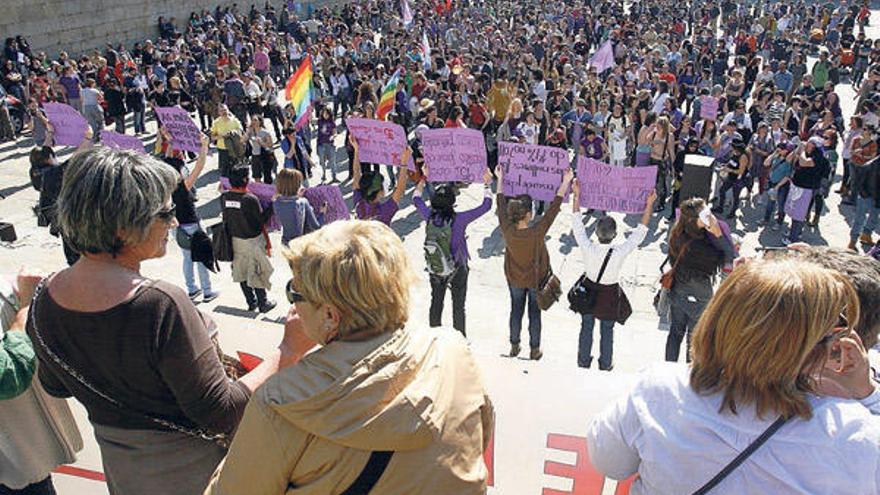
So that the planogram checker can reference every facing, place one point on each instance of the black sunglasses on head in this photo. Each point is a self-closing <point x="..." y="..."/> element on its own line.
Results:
<point x="292" y="295"/>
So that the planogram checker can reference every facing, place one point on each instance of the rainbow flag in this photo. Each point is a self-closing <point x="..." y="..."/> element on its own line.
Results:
<point x="386" y="103"/>
<point x="298" y="92"/>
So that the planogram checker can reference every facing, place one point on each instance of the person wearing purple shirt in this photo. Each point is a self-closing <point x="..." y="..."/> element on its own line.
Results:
<point x="71" y="84"/>
<point x="593" y="146"/>
<point x="326" y="148"/>
<point x="441" y="212"/>
<point x="369" y="193"/>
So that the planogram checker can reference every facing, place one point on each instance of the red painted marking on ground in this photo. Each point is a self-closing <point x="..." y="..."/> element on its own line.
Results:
<point x="81" y="473"/>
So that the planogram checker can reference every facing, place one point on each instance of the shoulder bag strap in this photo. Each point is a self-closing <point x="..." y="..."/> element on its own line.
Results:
<point x="604" y="265"/>
<point x="368" y="478"/>
<point x="755" y="445"/>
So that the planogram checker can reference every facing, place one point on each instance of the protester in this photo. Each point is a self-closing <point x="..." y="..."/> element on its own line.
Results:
<point x="446" y="250"/>
<point x="602" y="267"/>
<point x="526" y="260"/>
<point x="245" y="220"/>
<point x="369" y="198"/>
<point x="794" y="320"/>
<point x="322" y="410"/>
<point x="294" y="212"/>
<point x="223" y="130"/>
<point x="157" y="390"/>
<point x="698" y="249"/>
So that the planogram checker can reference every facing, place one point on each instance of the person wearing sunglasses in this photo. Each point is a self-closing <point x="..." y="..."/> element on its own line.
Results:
<point x="134" y="350"/>
<point x="779" y="397"/>
<point x="372" y="394"/>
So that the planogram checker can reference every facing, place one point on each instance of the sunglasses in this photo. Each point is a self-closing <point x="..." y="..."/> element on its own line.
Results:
<point x="167" y="214"/>
<point x="838" y="332"/>
<point x="293" y="296"/>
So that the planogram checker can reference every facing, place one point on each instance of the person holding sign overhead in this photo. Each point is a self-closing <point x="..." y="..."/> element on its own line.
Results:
<point x="369" y="193"/>
<point x="526" y="260"/>
<point x="602" y="265"/>
<point x="446" y="252"/>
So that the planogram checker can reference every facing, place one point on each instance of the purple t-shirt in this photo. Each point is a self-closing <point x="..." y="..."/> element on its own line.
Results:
<point x="325" y="131"/>
<point x="71" y="85"/>
<point x="383" y="212"/>
<point x="458" y="243"/>
<point x="593" y="147"/>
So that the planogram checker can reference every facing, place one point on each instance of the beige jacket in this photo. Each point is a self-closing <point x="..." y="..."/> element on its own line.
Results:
<point x="310" y="429"/>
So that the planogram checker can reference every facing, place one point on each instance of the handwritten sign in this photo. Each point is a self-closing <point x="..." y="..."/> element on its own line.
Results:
<point x="608" y="188"/>
<point x="532" y="169"/>
<point x="797" y="204"/>
<point x="118" y="141"/>
<point x="331" y="196"/>
<point x="69" y="125"/>
<point x="378" y="141"/>
<point x="454" y="154"/>
<point x="708" y="108"/>
<point x="185" y="135"/>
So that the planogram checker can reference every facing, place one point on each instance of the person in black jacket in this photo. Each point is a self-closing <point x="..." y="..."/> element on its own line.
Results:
<point x="115" y="99"/>
<point x="245" y="221"/>
<point x="866" y="192"/>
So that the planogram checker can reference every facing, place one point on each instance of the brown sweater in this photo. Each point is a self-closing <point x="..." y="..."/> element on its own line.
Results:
<point x="151" y="353"/>
<point x="526" y="259"/>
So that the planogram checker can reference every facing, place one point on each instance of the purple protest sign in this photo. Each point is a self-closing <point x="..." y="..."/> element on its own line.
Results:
<point x="185" y="135"/>
<point x="708" y="108"/>
<point x="453" y="155"/>
<point x="265" y="193"/>
<point x="608" y="188"/>
<point x="379" y="141"/>
<point x="331" y="196"/>
<point x="70" y="127"/>
<point x="532" y="169"/>
<point x="797" y="204"/>
<point x="118" y="141"/>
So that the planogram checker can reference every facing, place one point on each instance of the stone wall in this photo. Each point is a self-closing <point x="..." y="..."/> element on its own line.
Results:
<point x="77" y="26"/>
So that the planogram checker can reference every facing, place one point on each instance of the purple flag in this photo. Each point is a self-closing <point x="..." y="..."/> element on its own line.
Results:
<point x="69" y="125"/>
<point x="118" y="141"/>
<point x="185" y="135"/>
<point x="603" y="58"/>
<point x="608" y="188"/>
<point x="406" y="13"/>
<point x="532" y="169"/>
<point x="797" y="205"/>
<point x="453" y="155"/>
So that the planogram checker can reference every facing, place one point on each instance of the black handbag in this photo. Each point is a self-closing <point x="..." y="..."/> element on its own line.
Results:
<point x="583" y="294"/>
<point x="221" y="242"/>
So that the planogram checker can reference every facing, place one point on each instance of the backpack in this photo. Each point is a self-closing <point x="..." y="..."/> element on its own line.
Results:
<point x="438" y="249"/>
<point x="235" y="144"/>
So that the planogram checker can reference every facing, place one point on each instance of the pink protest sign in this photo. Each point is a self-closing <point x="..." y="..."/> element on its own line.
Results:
<point x="454" y="154"/>
<point x="185" y="135"/>
<point x="532" y="169"/>
<point x="118" y="141"/>
<point x="331" y="196"/>
<point x="70" y="127"/>
<point x="379" y="141"/>
<point x="708" y="108"/>
<point x="608" y="188"/>
<point x="797" y="204"/>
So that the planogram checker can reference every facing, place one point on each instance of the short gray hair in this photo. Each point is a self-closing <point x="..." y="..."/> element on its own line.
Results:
<point x="606" y="229"/>
<point x="109" y="198"/>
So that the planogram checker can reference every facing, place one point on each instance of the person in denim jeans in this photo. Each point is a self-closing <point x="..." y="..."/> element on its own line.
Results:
<point x="866" y="192"/>
<point x="526" y="260"/>
<point x="777" y="185"/>
<point x="326" y="147"/>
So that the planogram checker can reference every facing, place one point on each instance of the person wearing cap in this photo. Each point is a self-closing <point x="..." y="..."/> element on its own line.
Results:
<point x="442" y="215"/>
<point x="369" y="198"/>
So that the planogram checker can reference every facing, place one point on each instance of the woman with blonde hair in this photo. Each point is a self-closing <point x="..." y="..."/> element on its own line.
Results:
<point x="662" y="142"/>
<point x="376" y="400"/>
<point x="779" y="398"/>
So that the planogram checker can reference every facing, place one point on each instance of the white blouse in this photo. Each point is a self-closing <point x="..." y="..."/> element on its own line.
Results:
<point x="677" y="440"/>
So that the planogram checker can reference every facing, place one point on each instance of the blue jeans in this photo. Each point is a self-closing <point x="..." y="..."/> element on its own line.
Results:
<point x="518" y="298"/>
<point x="327" y="156"/>
<point x="585" y="341"/>
<point x="794" y="235"/>
<point x="781" y="196"/>
<point x="139" y="125"/>
<point x="188" y="263"/>
<point x="865" y="219"/>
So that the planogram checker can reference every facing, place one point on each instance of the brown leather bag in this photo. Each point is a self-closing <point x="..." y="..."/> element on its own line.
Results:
<point x="549" y="291"/>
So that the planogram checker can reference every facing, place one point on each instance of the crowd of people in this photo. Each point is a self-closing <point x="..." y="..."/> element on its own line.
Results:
<point x="753" y="87"/>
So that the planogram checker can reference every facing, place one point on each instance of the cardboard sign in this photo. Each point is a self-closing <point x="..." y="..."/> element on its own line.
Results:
<point x="331" y="196"/>
<point x="378" y="141"/>
<point x="69" y="125"/>
<point x="453" y="155"/>
<point x="608" y="188"/>
<point x="118" y="141"/>
<point x="708" y="108"/>
<point x="532" y="169"/>
<point x="696" y="181"/>
<point x="185" y="135"/>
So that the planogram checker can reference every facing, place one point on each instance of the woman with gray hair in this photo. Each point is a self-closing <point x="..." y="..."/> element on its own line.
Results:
<point x="134" y="351"/>
<point x="602" y="264"/>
